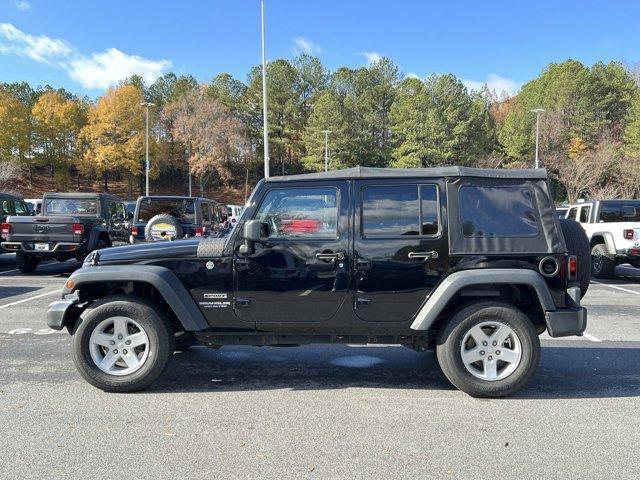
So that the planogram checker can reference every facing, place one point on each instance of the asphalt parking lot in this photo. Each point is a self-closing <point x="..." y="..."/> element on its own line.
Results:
<point x="317" y="411"/>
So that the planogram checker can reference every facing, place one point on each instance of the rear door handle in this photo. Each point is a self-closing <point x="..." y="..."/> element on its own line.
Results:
<point x="432" y="254"/>
<point x="330" y="256"/>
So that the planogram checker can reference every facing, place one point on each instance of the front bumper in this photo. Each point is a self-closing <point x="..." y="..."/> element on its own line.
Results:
<point x="62" y="313"/>
<point x="569" y="321"/>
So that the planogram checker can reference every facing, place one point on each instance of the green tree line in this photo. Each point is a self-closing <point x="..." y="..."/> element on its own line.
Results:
<point x="589" y="134"/>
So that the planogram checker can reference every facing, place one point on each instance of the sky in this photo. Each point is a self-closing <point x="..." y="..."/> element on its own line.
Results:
<point x="86" y="46"/>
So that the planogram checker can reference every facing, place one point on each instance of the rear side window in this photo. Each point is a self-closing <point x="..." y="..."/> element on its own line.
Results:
<point x="497" y="212"/>
<point x="620" y="212"/>
<point x="206" y="215"/>
<point x="400" y="210"/>
<point x="584" y="213"/>
<point x="572" y="213"/>
<point x="300" y="213"/>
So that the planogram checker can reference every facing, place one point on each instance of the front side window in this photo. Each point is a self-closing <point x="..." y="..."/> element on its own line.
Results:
<point x="300" y="213"/>
<point x="572" y="213"/>
<point x="399" y="210"/>
<point x="620" y="212"/>
<point x="71" y="206"/>
<point x="497" y="212"/>
<point x="21" y="208"/>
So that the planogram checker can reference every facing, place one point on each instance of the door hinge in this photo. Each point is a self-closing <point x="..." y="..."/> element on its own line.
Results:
<point x="242" y="302"/>
<point x="362" y="301"/>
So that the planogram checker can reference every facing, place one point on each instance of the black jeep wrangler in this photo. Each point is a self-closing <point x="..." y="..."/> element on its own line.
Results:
<point x="472" y="263"/>
<point x="158" y="218"/>
<point x="70" y="226"/>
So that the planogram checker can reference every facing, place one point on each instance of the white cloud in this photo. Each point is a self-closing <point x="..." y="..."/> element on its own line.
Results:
<point x="22" y="5"/>
<point x="412" y="75"/>
<point x="304" y="45"/>
<point x="372" y="57"/>
<point x="98" y="70"/>
<point x="495" y="83"/>
<point x="40" y="48"/>
<point x="104" y="69"/>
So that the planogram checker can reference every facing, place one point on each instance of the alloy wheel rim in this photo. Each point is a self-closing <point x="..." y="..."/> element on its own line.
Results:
<point x="119" y="346"/>
<point x="597" y="263"/>
<point x="491" y="351"/>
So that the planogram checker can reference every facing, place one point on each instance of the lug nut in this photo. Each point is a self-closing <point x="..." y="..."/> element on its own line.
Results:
<point x="481" y="352"/>
<point x="490" y="358"/>
<point x="128" y="342"/>
<point x="124" y="351"/>
<point x="497" y="352"/>
<point x="495" y="343"/>
<point x="120" y="336"/>
<point x="485" y="343"/>
<point x="115" y="350"/>
<point x="112" y="342"/>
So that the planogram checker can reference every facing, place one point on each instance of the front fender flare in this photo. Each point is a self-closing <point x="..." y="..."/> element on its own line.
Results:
<point x="163" y="279"/>
<point x="452" y="284"/>
<point x="609" y="242"/>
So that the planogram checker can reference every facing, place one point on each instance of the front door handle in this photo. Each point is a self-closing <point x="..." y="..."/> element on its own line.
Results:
<point x="330" y="256"/>
<point x="432" y="254"/>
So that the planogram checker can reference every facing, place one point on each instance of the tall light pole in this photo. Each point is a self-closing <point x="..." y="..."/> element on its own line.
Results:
<point x="146" y="147"/>
<point x="264" y="97"/>
<point x="326" y="149"/>
<point x="538" y="111"/>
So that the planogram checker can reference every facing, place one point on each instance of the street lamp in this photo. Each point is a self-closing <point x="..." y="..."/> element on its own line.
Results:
<point x="146" y="146"/>
<point x="264" y="96"/>
<point x="538" y="111"/>
<point x="326" y="149"/>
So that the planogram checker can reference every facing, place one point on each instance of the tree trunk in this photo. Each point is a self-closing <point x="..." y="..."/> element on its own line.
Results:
<point x="106" y="181"/>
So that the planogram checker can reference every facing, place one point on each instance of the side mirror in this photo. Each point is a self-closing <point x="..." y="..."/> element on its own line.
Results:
<point x="129" y="215"/>
<point x="253" y="232"/>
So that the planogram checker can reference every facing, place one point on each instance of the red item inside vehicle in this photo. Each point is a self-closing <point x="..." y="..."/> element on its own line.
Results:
<point x="300" y="226"/>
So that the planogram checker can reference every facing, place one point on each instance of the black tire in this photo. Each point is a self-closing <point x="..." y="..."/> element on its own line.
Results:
<point x="449" y="354"/>
<point x="603" y="265"/>
<point x="174" y="230"/>
<point x="26" y="263"/>
<point x="159" y="332"/>
<point x="578" y="245"/>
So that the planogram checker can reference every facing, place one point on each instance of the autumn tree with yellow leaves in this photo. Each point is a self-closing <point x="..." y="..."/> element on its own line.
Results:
<point x="113" y="139"/>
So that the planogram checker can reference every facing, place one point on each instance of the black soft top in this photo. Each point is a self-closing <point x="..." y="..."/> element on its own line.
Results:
<point x="177" y="197"/>
<point x="370" y="172"/>
<point x="81" y="195"/>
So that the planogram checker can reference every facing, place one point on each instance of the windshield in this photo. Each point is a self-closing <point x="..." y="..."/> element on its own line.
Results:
<point x="183" y="210"/>
<point x="619" y="212"/>
<point x="71" y="206"/>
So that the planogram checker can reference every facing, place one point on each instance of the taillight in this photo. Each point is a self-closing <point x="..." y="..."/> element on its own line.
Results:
<point x="629" y="234"/>
<point x="134" y="231"/>
<point x="572" y="267"/>
<point x="6" y="229"/>
<point x="198" y="231"/>
<point x="78" y="229"/>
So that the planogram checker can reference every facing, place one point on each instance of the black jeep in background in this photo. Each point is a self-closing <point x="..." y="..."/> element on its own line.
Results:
<point x="472" y="263"/>
<point x="70" y="226"/>
<point x="158" y="218"/>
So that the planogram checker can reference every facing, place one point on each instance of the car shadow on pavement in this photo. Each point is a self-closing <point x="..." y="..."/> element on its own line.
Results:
<point x="7" y="292"/>
<point x="564" y="372"/>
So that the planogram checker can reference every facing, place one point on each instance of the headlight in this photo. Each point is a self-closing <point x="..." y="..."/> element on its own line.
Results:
<point x="88" y="261"/>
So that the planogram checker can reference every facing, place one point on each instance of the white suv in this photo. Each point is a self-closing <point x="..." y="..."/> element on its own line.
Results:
<point x="613" y="228"/>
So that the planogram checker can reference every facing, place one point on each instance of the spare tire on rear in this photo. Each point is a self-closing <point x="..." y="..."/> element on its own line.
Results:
<point x="162" y="227"/>
<point x="578" y="245"/>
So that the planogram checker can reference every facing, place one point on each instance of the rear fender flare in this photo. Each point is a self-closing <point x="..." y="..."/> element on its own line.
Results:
<point x="163" y="279"/>
<point x="451" y="285"/>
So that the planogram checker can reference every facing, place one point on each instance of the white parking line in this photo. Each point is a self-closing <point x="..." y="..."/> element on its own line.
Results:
<point x="616" y="287"/>
<point x="591" y="337"/>
<point x="7" y="305"/>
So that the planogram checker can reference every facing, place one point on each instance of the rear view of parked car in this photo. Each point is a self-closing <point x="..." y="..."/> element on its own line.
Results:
<point x="159" y="218"/>
<point x="71" y="225"/>
<point x="10" y="205"/>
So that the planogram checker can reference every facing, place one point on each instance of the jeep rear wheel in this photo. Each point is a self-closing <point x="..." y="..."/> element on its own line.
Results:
<point x="490" y="349"/>
<point x="603" y="265"/>
<point x="122" y="344"/>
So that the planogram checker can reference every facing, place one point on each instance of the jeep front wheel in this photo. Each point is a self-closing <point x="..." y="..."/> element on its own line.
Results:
<point x="489" y="349"/>
<point x="602" y="264"/>
<point x="122" y="344"/>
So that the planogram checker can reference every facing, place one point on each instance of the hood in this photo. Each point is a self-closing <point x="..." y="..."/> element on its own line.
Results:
<point x="147" y="251"/>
